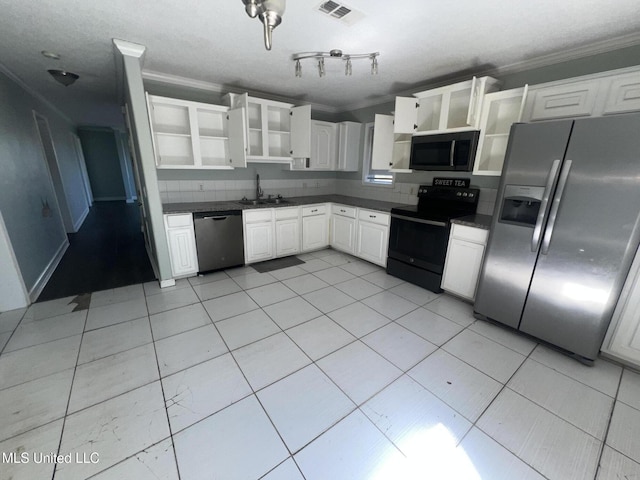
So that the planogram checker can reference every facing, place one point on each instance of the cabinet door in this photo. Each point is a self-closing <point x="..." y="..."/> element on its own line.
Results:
<point x="564" y="101"/>
<point x="343" y="233"/>
<point x="182" y="251"/>
<point x="623" y="338"/>
<point x="314" y="232"/>
<point x="349" y="146"/>
<point x="499" y="112"/>
<point x="323" y="150"/>
<point x="624" y="94"/>
<point x="287" y="237"/>
<point x="237" y="138"/>
<point x="462" y="267"/>
<point x="258" y="241"/>
<point x="405" y="115"/>
<point x="382" y="151"/>
<point x="170" y="122"/>
<point x="301" y="131"/>
<point x="373" y="242"/>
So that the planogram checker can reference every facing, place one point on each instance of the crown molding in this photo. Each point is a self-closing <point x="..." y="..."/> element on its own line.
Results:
<point x="35" y="94"/>
<point x="541" y="61"/>
<point x="129" y="48"/>
<point x="191" y="83"/>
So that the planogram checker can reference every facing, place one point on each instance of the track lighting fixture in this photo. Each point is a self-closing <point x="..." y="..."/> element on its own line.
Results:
<point x="337" y="54"/>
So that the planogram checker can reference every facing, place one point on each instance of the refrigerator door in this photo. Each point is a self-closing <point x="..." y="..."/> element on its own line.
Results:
<point x="533" y="152"/>
<point x="591" y="241"/>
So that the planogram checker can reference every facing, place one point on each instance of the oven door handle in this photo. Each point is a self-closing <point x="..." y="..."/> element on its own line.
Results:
<point x="419" y="220"/>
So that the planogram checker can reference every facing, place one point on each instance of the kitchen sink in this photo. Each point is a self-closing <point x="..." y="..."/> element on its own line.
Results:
<point x="252" y="202"/>
<point x="276" y="201"/>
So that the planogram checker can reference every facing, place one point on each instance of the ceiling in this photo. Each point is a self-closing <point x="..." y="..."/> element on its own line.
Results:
<point x="216" y="42"/>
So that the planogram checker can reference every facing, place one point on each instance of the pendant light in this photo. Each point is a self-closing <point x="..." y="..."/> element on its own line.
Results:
<point x="270" y="14"/>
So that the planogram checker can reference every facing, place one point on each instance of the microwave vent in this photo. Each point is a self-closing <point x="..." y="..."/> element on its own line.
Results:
<point x="340" y="12"/>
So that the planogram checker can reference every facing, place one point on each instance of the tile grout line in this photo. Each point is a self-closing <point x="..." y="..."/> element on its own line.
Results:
<point x="606" y="432"/>
<point x="73" y="378"/>
<point x="164" y="397"/>
<point x="2" y="350"/>
<point x="504" y="386"/>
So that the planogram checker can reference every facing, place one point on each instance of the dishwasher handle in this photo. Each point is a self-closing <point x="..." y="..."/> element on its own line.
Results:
<point x="220" y="215"/>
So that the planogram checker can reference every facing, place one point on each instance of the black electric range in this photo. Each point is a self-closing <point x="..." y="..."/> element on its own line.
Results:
<point x="419" y="234"/>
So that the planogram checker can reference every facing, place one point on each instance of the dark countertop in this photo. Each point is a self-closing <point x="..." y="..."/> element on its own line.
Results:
<point x="478" y="221"/>
<point x="190" y="207"/>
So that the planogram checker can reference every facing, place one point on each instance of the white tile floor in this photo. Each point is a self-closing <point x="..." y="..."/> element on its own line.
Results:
<point x="328" y="370"/>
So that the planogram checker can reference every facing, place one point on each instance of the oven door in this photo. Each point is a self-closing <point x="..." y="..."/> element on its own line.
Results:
<point x="418" y="242"/>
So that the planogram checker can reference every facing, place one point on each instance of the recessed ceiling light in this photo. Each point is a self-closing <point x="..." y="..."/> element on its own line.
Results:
<point x="51" y="55"/>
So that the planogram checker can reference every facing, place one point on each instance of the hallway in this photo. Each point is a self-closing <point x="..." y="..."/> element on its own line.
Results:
<point x="107" y="252"/>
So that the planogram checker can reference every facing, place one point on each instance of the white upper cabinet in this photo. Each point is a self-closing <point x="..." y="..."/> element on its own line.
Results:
<point x="276" y="131"/>
<point x="499" y="112"/>
<point x="196" y="135"/>
<point x="300" y="131"/>
<point x="323" y="145"/>
<point x="605" y="93"/>
<point x="382" y="150"/>
<point x="623" y="94"/>
<point x="564" y="101"/>
<point x="349" y="134"/>
<point x="390" y="151"/>
<point x="405" y="115"/>
<point x="452" y="107"/>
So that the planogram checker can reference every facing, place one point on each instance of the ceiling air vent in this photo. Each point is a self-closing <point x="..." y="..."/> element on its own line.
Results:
<point x="340" y="12"/>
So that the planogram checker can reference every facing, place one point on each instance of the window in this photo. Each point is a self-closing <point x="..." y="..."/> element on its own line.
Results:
<point x="370" y="176"/>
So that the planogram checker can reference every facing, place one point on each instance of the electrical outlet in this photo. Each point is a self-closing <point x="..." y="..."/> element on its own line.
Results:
<point x="412" y="190"/>
<point x="304" y="184"/>
<point x="201" y="187"/>
<point x="317" y="184"/>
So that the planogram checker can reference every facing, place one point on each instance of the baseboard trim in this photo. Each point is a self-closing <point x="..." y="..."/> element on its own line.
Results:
<point x="37" y="288"/>
<point x="78" y="223"/>
<point x="167" y="283"/>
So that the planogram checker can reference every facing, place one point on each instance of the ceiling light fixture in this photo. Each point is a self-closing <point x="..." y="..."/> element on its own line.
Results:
<point x="51" y="55"/>
<point x="337" y="54"/>
<point x="270" y="14"/>
<point x="63" y="77"/>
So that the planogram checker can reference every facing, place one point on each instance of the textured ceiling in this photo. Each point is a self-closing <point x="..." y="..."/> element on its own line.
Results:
<point x="215" y="41"/>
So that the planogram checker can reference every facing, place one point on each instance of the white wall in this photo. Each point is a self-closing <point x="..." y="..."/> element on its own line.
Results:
<point x="38" y="237"/>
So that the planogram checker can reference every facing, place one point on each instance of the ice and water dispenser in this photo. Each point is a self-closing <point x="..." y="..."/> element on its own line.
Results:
<point x="521" y="204"/>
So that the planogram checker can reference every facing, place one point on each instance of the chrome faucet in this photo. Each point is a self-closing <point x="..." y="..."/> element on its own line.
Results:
<point x="259" y="192"/>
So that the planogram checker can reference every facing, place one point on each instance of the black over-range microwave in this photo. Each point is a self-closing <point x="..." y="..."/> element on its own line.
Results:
<point x="444" y="151"/>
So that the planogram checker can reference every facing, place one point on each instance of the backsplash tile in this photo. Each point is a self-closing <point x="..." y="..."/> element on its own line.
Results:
<point x="179" y="191"/>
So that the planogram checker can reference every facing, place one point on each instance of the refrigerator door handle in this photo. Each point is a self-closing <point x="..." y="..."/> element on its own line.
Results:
<point x="537" y="230"/>
<point x="564" y="175"/>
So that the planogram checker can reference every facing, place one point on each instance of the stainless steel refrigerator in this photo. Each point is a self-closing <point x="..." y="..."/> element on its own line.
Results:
<point x="565" y="229"/>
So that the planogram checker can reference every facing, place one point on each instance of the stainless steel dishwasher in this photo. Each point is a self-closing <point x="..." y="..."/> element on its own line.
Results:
<point x="219" y="239"/>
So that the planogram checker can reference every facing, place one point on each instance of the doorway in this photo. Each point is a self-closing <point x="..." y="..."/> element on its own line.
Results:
<point x="44" y="132"/>
<point x="108" y="251"/>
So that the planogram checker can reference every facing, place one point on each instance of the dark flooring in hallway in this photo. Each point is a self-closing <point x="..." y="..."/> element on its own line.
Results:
<point x="107" y="252"/>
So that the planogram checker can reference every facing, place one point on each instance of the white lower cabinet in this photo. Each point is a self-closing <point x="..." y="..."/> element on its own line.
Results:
<point x="373" y="236"/>
<point x="287" y="231"/>
<point x="315" y="233"/>
<point x="464" y="260"/>
<point x="343" y="228"/>
<point x="182" y="244"/>
<point x="258" y="235"/>
<point x="623" y="338"/>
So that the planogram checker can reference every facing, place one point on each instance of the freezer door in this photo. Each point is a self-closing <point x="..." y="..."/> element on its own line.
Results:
<point x="588" y="247"/>
<point x="533" y="152"/>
